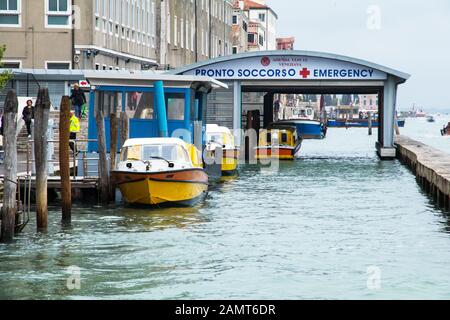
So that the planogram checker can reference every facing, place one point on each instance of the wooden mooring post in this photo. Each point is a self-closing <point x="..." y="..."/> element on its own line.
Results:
<point x="123" y="128"/>
<point x="41" y="115"/>
<point x="9" y="210"/>
<point x="369" y="114"/>
<point x="103" y="171"/>
<point x="397" y="130"/>
<point x="64" y="159"/>
<point x="114" y="135"/>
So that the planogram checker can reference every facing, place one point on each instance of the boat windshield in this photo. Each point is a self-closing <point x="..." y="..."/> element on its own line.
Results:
<point x="214" y="137"/>
<point x="170" y="152"/>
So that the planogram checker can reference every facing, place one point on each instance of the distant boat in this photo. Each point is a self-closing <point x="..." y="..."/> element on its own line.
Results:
<point x="430" y="119"/>
<point x="358" y="123"/>
<point x="420" y="114"/>
<point x="446" y="130"/>
<point x="305" y="123"/>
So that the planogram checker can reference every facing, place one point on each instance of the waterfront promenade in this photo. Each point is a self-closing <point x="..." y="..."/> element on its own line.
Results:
<point x="430" y="165"/>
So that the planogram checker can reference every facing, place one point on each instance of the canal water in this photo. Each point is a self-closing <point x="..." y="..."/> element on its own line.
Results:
<point x="336" y="224"/>
<point x="428" y="132"/>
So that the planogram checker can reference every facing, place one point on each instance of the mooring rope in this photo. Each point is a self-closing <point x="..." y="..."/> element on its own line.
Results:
<point x="6" y="179"/>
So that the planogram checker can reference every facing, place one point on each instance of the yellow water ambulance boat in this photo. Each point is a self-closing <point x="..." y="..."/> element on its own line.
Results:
<point x="156" y="171"/>
<point x="217" y="136"/>
<point x="278" y="141"/>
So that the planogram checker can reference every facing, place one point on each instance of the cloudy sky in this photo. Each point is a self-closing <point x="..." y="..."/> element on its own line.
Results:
<point x="412" y="36"/>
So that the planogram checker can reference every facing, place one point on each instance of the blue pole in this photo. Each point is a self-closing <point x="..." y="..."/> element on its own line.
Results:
<point x="92" y="128"/>
<point x="161" y="112"/>
<point x="187" y="110"/>
<point x="196" y="109"/>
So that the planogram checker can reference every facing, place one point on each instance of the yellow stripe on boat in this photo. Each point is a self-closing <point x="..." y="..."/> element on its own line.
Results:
<point x="151" y="192"/>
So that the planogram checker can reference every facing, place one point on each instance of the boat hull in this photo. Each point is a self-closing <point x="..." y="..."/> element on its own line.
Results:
<point x="308" y="129"/>
<point x="230" y="161"/>
<point x="358" y="123"/>
<point x="281" y="153"/>
<point x="177" y="187"/>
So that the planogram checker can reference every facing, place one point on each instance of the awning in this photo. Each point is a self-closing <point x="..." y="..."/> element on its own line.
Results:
<point x="130" y="78"/>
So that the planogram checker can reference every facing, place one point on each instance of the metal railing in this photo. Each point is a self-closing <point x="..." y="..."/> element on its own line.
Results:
<point x="74" y="160"/>
<point x="23" y="208"/>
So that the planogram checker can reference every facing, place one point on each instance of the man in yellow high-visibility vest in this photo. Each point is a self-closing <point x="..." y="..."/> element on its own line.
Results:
<point x="74" y="129"/>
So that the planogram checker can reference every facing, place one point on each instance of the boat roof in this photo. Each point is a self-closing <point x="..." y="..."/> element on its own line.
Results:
<point x="137" y="78"/>
<point x="147" y="141"/>
<point x="214" y="128"/>
<point x="282" y="126"/>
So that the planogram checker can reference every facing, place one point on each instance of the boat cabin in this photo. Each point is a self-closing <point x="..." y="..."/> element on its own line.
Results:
<point x="277" y="135"/>
<point x="156" y="104"/>
<point x="174" y="151"/>
<point x="220" y="135"/>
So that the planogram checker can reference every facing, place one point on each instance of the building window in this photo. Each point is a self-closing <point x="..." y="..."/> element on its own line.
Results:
<point x="182" y="32"/>
<point x="104" y="8"/>
<point x="261" y="40"/>
<point x="97" y="66"/>
<point x="192" y="37"/>
<point x="235" y="19"/>
<point x="175" y="31"/>
<point x="235" y="49"/>
<point x="244" y="26"/>
<point x="111" y="9"/>
<point x="58" y="13"/>
<point x="58" y="65"/>
<point x="11" y="64"/>
<point x="262" y="17"/>
<point x="188" y="41"/>
<point x="10" y="11"/>
<point x="169" y="24"/>
<point x="175" y="103"/>
<point x="251" y="38"/>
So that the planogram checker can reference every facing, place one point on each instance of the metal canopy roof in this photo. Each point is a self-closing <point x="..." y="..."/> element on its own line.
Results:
<point x="47" y="74"/>
<point x="116" y="77"/>
<point x="146" y="78"/>
<point x="401" y="76"/>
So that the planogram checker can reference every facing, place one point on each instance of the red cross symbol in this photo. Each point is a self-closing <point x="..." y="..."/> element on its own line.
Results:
<point x="305" y="73"/>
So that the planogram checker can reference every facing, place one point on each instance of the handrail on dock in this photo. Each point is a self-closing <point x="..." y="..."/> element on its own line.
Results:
<point x="75" y="142"/>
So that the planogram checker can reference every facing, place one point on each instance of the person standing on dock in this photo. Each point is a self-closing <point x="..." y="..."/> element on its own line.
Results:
<point x="28" y="116"/>
<point x="74" y="129"/>
<point x="1" y="137"/>
<point x="1" y="123"/>
<point x="276" y="110"/>
<point x="78" y="99"/>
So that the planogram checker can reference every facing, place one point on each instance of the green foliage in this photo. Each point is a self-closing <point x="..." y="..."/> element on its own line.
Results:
<point x="5" y="76"/>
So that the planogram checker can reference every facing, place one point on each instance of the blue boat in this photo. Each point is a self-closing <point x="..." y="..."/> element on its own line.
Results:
<point x="307" y="129"/>
<point x="357" y="123"/>
<point x="307" y="126"/>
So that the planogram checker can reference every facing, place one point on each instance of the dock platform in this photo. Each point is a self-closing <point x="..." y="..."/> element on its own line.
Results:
<point x="431" y="167"/>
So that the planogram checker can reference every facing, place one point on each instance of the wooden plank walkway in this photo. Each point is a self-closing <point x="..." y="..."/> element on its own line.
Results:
<point x="431" y="167"/>
<point x="77" y="182"/>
